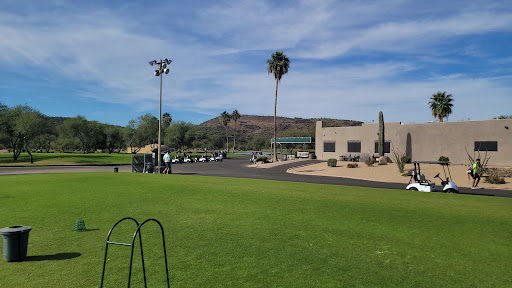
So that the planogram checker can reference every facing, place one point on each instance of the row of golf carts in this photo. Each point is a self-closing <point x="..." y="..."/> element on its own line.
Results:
<point x="214" y="157"/>
<point x="418" y="182"/>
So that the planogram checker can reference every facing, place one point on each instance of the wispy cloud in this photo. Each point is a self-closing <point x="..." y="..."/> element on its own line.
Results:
<point x="349" y="58"/>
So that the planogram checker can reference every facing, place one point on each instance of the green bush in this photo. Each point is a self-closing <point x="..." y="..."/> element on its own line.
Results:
<point x="352" y="165"/>
<point x="332" y="162"/>
<point x="400" y="159"/>
<point x="263" y="159"/>
<point x="370" y="162"/>
<point x="444" y="159"/>
<point x="495" y="179"/>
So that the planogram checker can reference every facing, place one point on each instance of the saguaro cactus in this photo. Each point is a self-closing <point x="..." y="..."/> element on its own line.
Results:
<point x="381" y="134"/>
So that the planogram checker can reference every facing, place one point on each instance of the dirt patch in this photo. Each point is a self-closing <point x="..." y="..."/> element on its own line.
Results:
<point x="390" y="173"/>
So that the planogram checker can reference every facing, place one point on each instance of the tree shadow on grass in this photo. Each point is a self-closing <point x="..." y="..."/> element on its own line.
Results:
<point x="478" y="194"/>
<point x="58" y="256"/>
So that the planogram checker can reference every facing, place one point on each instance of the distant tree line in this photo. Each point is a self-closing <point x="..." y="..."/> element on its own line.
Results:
<point x="25" y="129"/>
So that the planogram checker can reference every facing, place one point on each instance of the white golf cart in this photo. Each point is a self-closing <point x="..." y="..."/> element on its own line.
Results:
<point x="424" y="185"/>
<point x="215" y="158"/>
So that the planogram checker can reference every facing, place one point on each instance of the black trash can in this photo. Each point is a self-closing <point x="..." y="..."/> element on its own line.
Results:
<point x="15" y="242"/>
<point x="116" y="169"/>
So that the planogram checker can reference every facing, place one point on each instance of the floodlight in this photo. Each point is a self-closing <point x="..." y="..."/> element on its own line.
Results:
<point x="161" y="69"/>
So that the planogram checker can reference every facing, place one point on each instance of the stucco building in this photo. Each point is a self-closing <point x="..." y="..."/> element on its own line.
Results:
<point x="425" y="142"/>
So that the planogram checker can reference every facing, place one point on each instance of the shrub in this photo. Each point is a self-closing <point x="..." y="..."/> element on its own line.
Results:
<point x="352" y="165"/>
<point x="482" y="170"/>
<point x="495" y="179"/>
<point x="263" y="159"/>
<point x="502" y="172"/>
<point x="444" y="159"/>
<point x="400" y="159"/>
<point x="332" y="162"/>
<point x="369" y="162"/>
<point x="408" y="173"/>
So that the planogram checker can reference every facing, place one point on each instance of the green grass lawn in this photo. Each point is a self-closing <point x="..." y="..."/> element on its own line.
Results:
<point x="6" y="159"/>
<point x="224" y="232"/>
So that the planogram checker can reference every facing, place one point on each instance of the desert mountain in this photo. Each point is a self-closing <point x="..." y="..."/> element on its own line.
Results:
<point x="264" y="125"/>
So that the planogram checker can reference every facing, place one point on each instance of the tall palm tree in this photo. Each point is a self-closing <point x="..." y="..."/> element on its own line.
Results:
<point x="278" y="65"/>
<point x="441" y="105"/>
<point x="225" y="118"/>
<point x="166" y="120"/>
<point x="235" y="116"/>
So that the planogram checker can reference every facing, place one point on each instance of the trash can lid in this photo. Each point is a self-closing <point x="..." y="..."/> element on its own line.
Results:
<point x="15" y="230"/>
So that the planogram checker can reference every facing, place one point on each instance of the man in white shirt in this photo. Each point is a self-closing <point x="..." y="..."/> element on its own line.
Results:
<point x="167" y="161"/>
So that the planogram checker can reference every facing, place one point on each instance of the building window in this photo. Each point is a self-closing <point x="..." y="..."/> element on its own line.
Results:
<point x="486" y="145"/>
<point x="387" y="147"/>
<point x="329" y="146"/>
<point x="354" y="146"/>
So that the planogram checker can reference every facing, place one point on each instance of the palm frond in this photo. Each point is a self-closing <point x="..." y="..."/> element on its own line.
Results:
<point x="278" y="65"/>
<point x="441" y="105"/>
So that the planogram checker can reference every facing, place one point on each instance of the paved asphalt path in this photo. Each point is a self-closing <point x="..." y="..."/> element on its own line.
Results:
<point x="238" y="167"/>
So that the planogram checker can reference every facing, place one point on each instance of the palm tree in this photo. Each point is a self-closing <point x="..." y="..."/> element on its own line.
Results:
<point x="225" y="118"/>
<point x="235" y="116"/>
<point x="277" y="65"/>
<point x="441" y="105"/>
<point x="166" y="120"/>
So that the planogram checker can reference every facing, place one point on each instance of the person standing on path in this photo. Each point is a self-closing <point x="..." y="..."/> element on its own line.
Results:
<point x="167" y="161"/>
<point x="476" y="177"/>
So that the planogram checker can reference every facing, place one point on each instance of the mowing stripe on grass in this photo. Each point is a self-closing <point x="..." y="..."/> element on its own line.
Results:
<point x="228" y="232"/>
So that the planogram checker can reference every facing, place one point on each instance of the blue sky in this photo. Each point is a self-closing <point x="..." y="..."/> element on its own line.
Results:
<point x="349" y="59"/>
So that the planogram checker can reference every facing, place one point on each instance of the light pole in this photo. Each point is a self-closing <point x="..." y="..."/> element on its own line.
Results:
<point x="162" y="68"/>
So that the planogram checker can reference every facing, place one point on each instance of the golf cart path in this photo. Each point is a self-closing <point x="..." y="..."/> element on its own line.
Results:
<point x="239" y="168"/>
<point x="61" y="169"/>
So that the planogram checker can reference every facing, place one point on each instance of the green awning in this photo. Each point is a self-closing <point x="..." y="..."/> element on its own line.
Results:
<point x="294" y="140"/>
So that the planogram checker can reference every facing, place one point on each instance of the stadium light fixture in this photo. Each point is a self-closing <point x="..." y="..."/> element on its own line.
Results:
<point x="162" y="68"/>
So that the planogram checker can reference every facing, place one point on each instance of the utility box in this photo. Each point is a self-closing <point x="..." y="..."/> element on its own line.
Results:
<point x="15" y="242"/>
<point x="155" y="159"/>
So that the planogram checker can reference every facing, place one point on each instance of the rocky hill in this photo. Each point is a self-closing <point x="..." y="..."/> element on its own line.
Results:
<point x="264" y="125"/>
